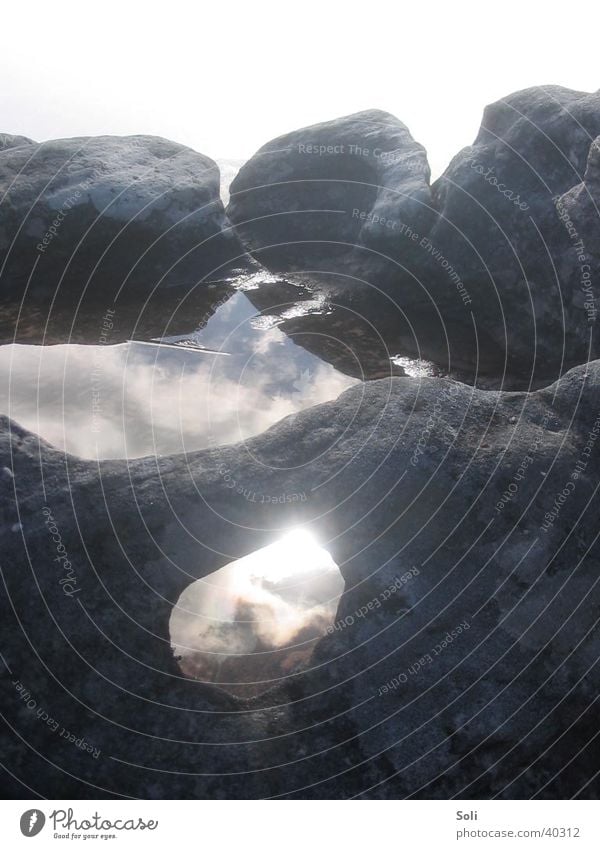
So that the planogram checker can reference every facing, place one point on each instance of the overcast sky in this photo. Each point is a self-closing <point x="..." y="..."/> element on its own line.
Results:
<point x="225" y="77"/>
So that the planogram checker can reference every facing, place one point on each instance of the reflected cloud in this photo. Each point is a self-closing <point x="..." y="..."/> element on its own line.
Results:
<point x="257" y="619"/>
<point x="131" y="400"/>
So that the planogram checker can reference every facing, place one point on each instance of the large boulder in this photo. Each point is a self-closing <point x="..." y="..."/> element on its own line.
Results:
<point x="463" y="661"/>
<point x="110" y="215"/>
<point x="504" y="228"/>
<point x="307" y="200"/>
<point x="344" y="204"/>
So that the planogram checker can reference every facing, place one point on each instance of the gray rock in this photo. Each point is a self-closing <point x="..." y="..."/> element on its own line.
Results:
<point x="7" y="141"/>
<point x="107" y="215"/>
<point x="482" y="271"/>
<point x="579" y="212"/>
<point x="309" y="199"/>
<point x="465" y="525"/>
<point x="499" y="227"/>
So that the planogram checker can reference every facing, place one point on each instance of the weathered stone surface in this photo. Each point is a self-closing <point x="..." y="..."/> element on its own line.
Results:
<point x="579" y="211"/>
<point x="110" y="216"/>
<point x="500" y="226"/>
<point x="307" y="199"/>
<point x="7" y="141"/>
<point x="465" y="525"/>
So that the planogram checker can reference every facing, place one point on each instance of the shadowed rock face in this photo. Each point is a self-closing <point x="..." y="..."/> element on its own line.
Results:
<point x="460" y="681"/>
<point x="502" y="225"/>
<point x="163" y="311"/>
<point x="579" y="212"/>
<point x="306" y="199"/>
<point x="486" y="265"/>
<point x="109" y="215"/>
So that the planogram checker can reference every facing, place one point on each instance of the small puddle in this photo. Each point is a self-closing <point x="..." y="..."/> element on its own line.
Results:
<point x="218" y="365"/>
<point x="223" y="383"/>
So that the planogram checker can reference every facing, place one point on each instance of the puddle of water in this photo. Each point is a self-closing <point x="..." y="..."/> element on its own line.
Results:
<point x="257" y="620"/>
<point x="218" y="365"/>
<point x="222" y="383"/>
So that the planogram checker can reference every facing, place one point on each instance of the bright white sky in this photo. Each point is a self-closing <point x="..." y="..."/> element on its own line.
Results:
<point x="225" y="77"/>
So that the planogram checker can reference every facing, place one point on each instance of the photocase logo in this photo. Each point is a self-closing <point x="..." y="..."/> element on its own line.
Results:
<point x="32" y="822"/>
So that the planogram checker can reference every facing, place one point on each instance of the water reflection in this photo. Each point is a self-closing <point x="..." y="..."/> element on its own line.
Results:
<point x="297" y="305"/>
<point x="133" y="399"/>
<point x="415" y="367"/>
<point x="68" y="321"/>
<point x="257" y="619"/>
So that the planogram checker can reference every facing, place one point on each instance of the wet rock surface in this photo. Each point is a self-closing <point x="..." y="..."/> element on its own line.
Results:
<point x="463" y="659"/>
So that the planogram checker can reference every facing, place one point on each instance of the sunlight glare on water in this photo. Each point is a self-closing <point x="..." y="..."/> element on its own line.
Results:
<point x="257" y="619"/>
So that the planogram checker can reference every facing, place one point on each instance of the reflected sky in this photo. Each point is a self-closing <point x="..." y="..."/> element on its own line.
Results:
<point x="257" y="619"/>
<point x="135" y="399"/>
